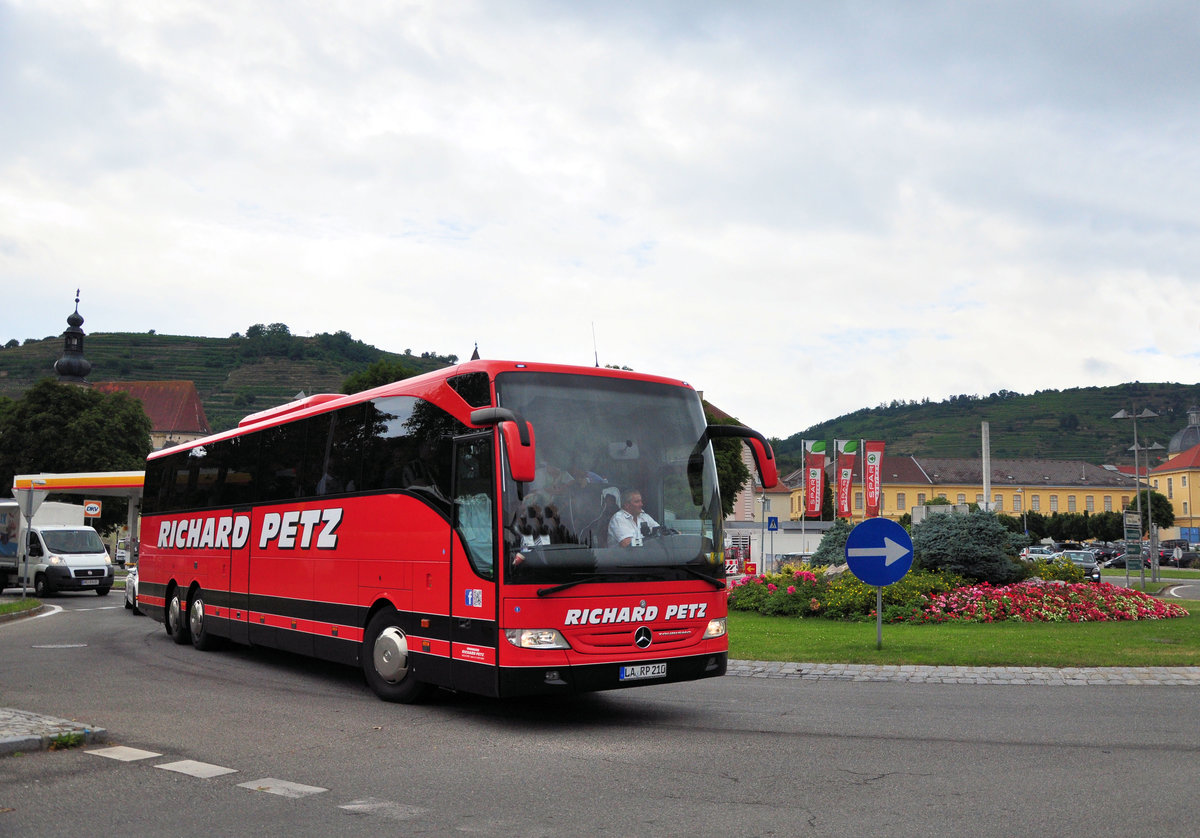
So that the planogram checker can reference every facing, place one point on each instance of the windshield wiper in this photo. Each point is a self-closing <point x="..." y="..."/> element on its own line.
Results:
<point x="594" y="577"/>
<point x="719" y="584"/>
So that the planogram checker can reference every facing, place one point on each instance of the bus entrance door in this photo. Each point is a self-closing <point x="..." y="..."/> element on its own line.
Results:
<point x="473" y="618"/>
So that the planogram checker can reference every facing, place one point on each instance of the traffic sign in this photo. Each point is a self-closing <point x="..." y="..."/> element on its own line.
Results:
<point x="1133" y="526"/>
<point x="879" y="551"/>
<point x="772" y="523"/>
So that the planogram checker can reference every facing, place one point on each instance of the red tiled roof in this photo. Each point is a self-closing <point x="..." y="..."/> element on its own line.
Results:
<point x="173" y="406"/>
<point x="1184" y="460"/>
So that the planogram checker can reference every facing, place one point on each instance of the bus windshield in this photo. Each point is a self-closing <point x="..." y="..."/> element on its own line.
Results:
<point x="603" y="444"/>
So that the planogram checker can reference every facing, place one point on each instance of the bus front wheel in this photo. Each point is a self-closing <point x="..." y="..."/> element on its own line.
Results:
<point x="386" y="662"/>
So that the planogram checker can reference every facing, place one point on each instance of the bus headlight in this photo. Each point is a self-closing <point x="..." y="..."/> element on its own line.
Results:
<point x="716" y="628"/>
<point x="537" y="638"/>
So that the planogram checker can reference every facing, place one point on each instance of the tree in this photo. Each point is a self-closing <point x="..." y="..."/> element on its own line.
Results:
<point x="379" y="373"/>
<point x="1106" y="526"/>
<point x="832" y="549"/>
<point x="1160" y="511"/>
<point x="828" y="507"/>
<point x="975" y="546"/>
<point x="1035" y="525"/>
<point x="732" y="473"/>
<point x="62" y="428"/>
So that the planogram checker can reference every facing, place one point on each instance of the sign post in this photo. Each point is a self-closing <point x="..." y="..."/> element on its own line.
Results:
<point x="879" y="552"/>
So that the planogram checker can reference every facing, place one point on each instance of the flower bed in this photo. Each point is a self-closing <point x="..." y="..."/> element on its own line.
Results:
<point x="1050" y="602"/>
<point x="924" y="597"/>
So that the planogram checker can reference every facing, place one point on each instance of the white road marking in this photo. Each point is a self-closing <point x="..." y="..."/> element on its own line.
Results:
<point x="122" y="753"/>
<point x="192" y="768"/>
<point x="283" y="788"/>
<point x="384" y="808"/>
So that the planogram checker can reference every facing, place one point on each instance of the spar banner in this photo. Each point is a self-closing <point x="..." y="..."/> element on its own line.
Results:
<point x="814" y="464"/>
<point x="872" y="476"/>
<point x="846" y="451"/>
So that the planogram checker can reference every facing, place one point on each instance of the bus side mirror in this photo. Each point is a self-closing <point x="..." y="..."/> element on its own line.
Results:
<point x="519" y="448"/>
<point x="518" y="444"/>
<point x="764" y="457"/>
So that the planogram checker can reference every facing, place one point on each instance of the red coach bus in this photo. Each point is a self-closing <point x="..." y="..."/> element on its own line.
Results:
<point x="453" y="530"/>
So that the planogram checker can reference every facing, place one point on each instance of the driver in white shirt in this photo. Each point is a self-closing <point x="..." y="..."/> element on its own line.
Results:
<point x="625" y="527"/>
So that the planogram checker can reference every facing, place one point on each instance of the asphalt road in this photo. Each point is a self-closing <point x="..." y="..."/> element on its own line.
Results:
<point x="306" y="749"/>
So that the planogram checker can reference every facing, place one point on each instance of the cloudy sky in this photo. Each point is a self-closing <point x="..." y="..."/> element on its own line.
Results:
<point x="800" y="208"/>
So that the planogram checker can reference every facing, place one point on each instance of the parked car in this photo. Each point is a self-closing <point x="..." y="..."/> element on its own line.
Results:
<point x="1084" y="560"/>
<point x="131" y="587"/>
<point x="1133" y="562"/>
<point x="1036" y="552"/>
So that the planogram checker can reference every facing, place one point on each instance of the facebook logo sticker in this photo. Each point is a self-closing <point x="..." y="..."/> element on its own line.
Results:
<point x="474" y="598"/>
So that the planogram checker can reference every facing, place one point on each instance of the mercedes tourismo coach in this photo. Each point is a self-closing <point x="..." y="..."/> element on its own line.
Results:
<point x="453" y="530"/>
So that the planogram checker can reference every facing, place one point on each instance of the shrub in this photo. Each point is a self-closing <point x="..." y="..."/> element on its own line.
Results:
<point x="1061" y="570"/>
<point x="974" y="546"/>
<point x="832" y="549"/>
<point x="799" y="592"/>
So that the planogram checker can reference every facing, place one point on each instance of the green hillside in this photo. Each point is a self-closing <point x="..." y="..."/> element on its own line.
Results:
<point x="234" y="376"/>
<point x="268" y="366"/>
<point x="1073" y="424"/>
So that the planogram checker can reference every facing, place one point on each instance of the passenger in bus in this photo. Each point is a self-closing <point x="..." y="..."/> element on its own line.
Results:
<point x="631" y="524"/>
<point x="330" y="482"/>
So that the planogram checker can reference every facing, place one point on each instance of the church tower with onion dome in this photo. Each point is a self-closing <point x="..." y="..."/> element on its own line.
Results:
<point x="72" y="367"/>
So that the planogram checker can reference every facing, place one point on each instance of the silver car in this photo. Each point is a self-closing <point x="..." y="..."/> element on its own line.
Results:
<point x="131" y="601"/>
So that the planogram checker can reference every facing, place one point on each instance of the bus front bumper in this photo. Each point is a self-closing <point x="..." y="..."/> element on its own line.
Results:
<point x="609" y="676"/>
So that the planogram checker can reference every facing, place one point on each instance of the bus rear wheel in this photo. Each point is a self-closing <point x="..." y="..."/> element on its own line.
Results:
<point x="176" y="623"/>
<point x="386" y="662"/>
<point x="197" y="625"/>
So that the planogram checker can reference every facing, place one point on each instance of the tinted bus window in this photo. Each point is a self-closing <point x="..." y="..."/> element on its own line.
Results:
<point x="291" y="459"/>
<point x="474" y="387"/>
<point x="409" y="447"/>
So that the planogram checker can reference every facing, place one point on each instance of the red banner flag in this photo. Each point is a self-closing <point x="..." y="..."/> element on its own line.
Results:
<point x="845" y="475"/>
<point x="814" y="463"/>
<point x="873" y="477"/>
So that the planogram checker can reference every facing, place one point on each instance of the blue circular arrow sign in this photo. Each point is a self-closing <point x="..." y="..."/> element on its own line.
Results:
<point x="879" y="551"/>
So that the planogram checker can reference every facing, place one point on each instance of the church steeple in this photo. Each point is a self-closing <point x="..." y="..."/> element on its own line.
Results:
<point x="72" y="367"/>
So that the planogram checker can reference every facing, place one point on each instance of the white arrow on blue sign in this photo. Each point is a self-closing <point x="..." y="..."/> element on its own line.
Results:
<point x="879" y="551"/>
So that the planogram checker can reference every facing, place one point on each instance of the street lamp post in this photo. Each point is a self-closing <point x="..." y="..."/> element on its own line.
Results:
<point x="1137" y="477"/>
<point x="1150" y="531"/>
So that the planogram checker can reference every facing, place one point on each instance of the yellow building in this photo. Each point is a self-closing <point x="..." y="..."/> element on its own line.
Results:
<point x="1017" y="486"/>
<point x="1178" y="478"/>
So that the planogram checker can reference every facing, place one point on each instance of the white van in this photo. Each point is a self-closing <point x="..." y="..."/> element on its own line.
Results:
<point x="67" y="557"/>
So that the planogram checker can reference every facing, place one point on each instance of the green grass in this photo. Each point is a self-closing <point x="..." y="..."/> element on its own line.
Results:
<point x="17" y="605"/>
<point x="1174" y="642"/>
